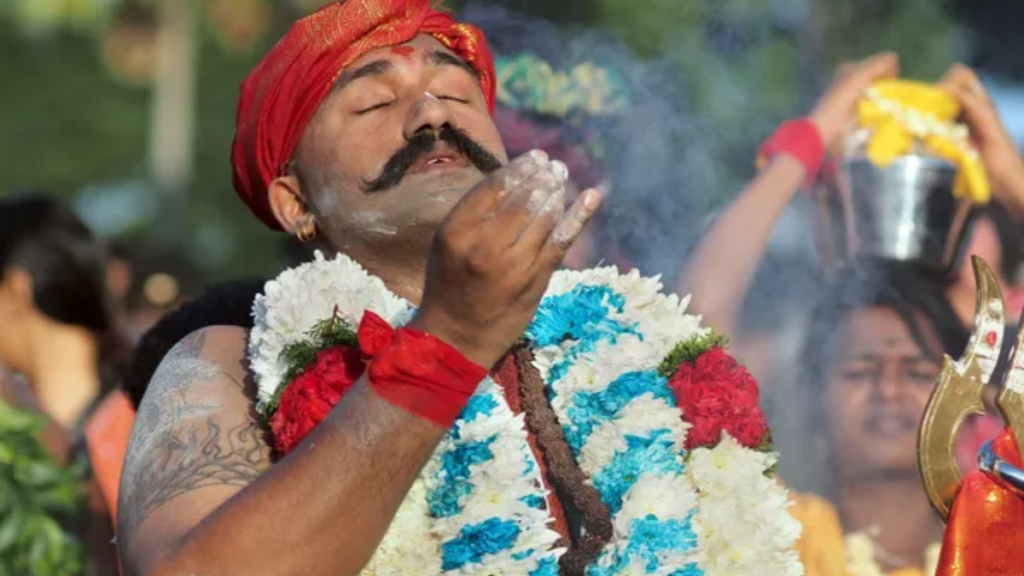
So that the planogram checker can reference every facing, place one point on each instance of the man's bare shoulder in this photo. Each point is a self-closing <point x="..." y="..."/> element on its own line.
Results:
<point x="196" y="439"/>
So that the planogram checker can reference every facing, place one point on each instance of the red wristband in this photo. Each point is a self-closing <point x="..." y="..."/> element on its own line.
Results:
<point x="799" y="139"/>
<point x="417" y="372"/>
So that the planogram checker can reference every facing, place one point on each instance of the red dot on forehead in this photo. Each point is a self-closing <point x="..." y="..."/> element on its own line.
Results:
<point x="402" y="50"/>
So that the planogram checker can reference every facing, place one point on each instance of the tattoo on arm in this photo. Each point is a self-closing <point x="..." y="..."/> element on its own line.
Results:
<point x="177" y="444"/>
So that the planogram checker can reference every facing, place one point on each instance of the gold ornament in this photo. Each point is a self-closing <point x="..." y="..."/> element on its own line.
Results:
<point x="960" y="390"/>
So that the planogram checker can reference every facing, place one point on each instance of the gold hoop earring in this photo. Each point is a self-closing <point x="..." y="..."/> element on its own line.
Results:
<point x="306" y="230"/>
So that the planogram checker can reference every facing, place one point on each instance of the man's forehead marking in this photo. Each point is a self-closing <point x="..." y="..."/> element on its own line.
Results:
<point x="402" y="50"/>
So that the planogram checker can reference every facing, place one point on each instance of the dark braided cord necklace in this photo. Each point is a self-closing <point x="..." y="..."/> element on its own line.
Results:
<point x="565" y="475"/>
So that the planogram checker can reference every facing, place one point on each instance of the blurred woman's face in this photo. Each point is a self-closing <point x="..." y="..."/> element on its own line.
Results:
<point x="877" y="392"/>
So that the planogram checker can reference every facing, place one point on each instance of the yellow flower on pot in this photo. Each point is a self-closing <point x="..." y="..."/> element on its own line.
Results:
<point x="909" y="117"/>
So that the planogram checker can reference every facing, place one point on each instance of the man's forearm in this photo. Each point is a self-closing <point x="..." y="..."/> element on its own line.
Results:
<point x="719" y="276"/>
<point x="324" y="508"/>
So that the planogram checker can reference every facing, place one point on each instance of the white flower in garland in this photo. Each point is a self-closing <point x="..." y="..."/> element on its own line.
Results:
<point x="299" y="298"/>
<point x="743" y="521"/>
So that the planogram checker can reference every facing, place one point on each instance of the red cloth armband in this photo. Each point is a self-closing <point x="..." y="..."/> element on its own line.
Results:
<point x="417" y="372"/>
<point x="799" y="139"/>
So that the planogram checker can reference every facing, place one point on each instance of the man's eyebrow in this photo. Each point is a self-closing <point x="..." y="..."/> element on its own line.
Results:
<point x="375" y="68"/>
<point x="440" y="58"/>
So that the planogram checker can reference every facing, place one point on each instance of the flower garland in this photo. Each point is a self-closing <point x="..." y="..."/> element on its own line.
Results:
<point x="650" y="405"/>
<point x="663" y="422"/>
<point x="478" y="506"/>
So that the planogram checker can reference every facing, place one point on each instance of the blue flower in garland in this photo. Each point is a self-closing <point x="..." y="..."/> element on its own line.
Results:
<point x="649" y="537"/>
<point x="650" y="540"/>
<point x="656" y="454"/>
<point x="581" y="315"/>
<point x="589" y="409"/>
<point x="523" y="555"/>
<point x="478" y="405"/>
<point x="445" y="501"/>
<point x="548" y="567"/>
<point x="478" y="540"/>
<point x="533" y="501"/>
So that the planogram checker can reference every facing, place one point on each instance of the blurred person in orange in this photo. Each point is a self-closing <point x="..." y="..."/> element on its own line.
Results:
<point x="109" y="426"/>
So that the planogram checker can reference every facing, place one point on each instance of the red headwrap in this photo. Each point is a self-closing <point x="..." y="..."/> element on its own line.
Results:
<point x="282" y="93"/>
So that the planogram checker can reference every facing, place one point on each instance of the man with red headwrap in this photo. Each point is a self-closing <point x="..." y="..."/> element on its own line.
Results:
<point x="368" y="124"/>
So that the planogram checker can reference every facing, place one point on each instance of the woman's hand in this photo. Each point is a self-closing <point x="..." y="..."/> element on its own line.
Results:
<point x="836" y="107"/>
<point x="998" y="152"/>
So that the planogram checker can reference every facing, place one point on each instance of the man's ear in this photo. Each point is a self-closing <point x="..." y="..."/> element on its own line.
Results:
<point x="288" y="204"/>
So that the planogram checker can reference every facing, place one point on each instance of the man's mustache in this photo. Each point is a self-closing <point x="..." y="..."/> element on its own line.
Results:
<point x="422" y="144"/>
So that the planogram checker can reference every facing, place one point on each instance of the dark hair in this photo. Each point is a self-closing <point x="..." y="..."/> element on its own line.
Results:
<point x="1011" y="239"/>
<point x="68" y="266"/>
<point x="916" y="294"/>
<point x="227" y="303"/>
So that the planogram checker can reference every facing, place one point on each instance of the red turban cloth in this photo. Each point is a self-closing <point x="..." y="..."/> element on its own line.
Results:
<point x="286" y="88"/>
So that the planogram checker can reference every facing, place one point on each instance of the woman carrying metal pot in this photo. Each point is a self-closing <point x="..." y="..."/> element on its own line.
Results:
<point x="885" y="315"/>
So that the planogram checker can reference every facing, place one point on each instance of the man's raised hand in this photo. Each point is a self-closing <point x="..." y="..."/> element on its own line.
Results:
<point x="494" y="255"/>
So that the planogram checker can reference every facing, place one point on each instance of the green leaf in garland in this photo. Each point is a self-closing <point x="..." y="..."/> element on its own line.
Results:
<point x="324" y="335"/>
<point x="689" y="351"/>
<point x="768" y="446"/>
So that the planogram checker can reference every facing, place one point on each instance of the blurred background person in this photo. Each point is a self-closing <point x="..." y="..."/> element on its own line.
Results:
<point x="58" y="328"/>
<point x="58" y="336"/>
<point x="868" y="362"/>
<point x="571" y="92"/>
<point x="871" y="358"/>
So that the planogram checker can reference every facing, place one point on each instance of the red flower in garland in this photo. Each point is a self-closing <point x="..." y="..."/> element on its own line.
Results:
<point x="310" y="396"/>
<point x="717" y="394"/>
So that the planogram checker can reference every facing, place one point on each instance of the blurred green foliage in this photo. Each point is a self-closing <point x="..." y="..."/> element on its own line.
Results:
<point x="36" y="497"/>
<point x="743" y="65"/>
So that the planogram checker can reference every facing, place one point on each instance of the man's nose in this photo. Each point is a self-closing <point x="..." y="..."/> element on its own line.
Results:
<point x="428" y="113"/>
